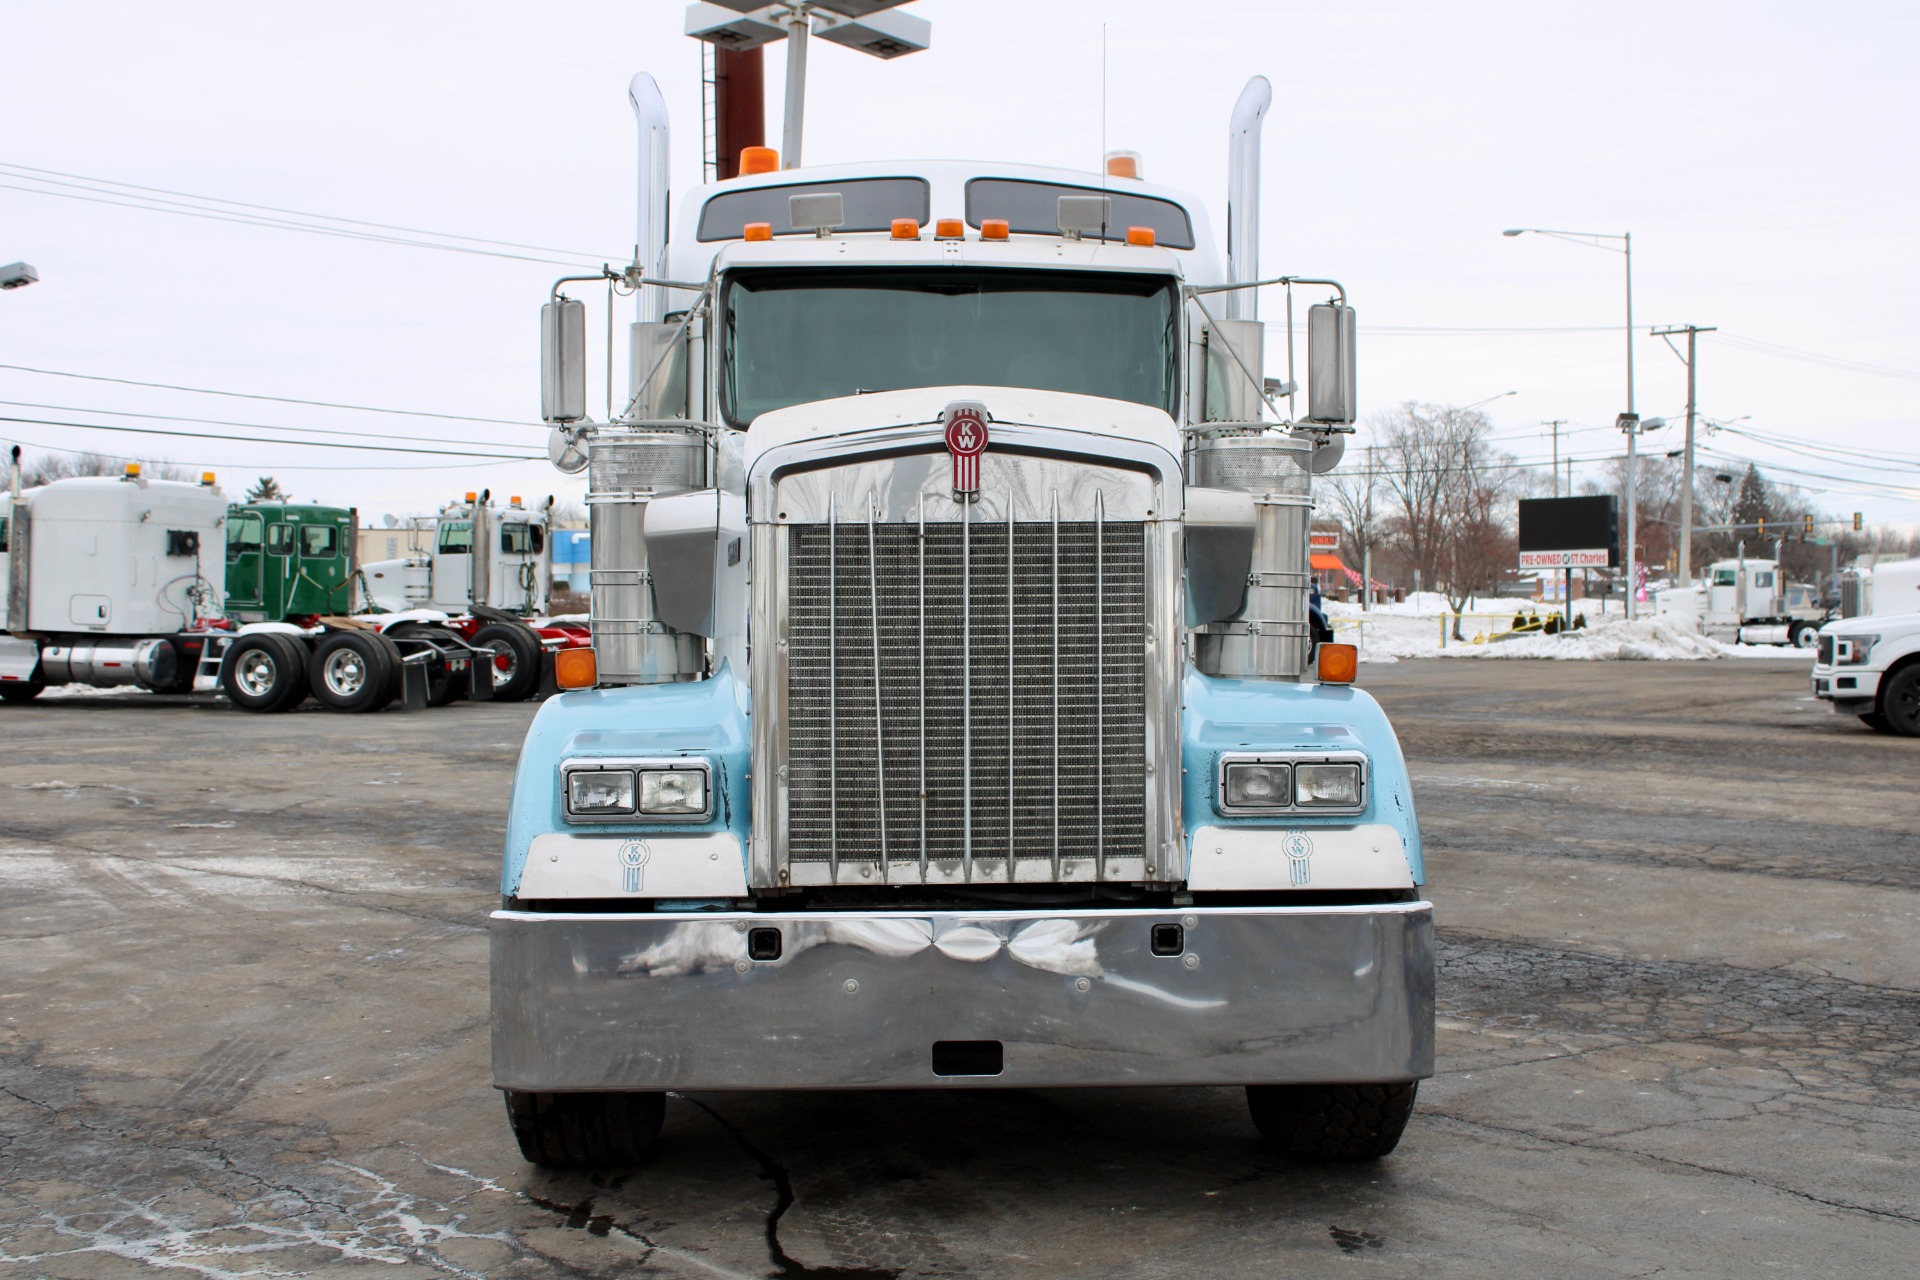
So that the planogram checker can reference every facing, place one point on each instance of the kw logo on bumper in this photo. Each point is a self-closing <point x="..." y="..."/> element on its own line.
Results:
<point x="1298" y="847"/>
<point x="633" y="865"/>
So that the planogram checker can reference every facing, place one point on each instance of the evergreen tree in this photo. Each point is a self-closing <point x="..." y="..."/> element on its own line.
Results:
<point x="267" y="490"/>
<point x="1754" y="502"/>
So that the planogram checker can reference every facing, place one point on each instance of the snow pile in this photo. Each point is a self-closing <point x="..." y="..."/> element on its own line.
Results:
<point x="1392" y="632"/>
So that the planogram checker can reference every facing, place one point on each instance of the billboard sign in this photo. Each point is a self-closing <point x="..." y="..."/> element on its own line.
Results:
<point x="1569" y="533"/>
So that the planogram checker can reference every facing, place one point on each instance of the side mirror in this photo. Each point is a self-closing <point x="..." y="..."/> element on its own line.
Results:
<point x="1330" y="380"/>
<point x="657" y="369"/>
<point x="563" y="361"/>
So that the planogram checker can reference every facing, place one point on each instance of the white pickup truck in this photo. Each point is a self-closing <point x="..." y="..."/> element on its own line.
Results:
<point x="1869" y="665"/>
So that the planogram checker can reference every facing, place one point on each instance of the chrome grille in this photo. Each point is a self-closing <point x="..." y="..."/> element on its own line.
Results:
<point x="966" y="692"/>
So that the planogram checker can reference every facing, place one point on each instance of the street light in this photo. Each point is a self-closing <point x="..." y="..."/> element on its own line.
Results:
<point x="1489" y="400"/>
<point x="17" y="275"/>
<point x="1592" y="239"/>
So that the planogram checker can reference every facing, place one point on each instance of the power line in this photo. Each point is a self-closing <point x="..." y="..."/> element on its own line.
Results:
<point x="279" y="224"/>
<point x="227" y="422"/>
<point x="306" y="444"/>
<point x="298" y="213"/>
<point x="245" y="395"/>
<point x="282" y="467"/>
<point x="1814" y="357"/>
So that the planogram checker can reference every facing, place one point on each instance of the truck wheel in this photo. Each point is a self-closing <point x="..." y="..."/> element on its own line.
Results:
<point x="1876" y="722"/>
<point x="1332" y="1121"/>
<point x="443" y="686"/>
<point x="1802" y="636"/>
<point x="20" y="690"/>
<point x="520" y="648"/>
<point x="348" y="672"/>
<point x="585" y="1130"/>
<point x="395" y="665"/>
<point x="264" y="672"/>
<point x="1900" y="701"/>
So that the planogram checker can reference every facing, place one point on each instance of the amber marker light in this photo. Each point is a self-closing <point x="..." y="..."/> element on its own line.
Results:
<point x="206" y="477"/>
<point x="906" y="228"/>
<point x="949" y="229"/>
<point x="575" y="669"/>
<point x="993" y="228"/>
<point x="758" y="160"/>
<point x="471" y="495"/>
<point x="1123" y="164"/>
<point x="757" y="231"/>
<point x="1142" y="236"/>
<point x="1339" y="663"/>
<point x="133" y="470"/>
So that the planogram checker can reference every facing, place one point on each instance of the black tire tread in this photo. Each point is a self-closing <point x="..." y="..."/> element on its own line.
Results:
<point x="1900" y="701"/>
<point x="585" y="1130"/>
<point x="1332" y="1122"/>
<point x="373" y="695"/>
<point x="20" y="690"/>
<point x="528" y="655"/>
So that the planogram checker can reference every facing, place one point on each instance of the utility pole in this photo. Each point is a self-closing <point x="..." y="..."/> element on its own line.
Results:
<point x="1693" y="331"/>
<point x="1566" y="578"/>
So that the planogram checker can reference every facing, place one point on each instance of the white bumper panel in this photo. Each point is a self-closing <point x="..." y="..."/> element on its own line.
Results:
<point x="707" y="864"/>
<point x="1238" y="858"/>
<point x="18" y="658"/>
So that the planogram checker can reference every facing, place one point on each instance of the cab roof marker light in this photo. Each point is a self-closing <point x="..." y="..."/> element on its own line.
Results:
<point x="758" y="160"/>
<point x="993" y="228"/>
<point x="133" y="471"/>
<point x="1140" y="236"/>
<point x="757" y="231"/>
<point x="1123" y="164"/>
<point x="949" y="229"/>
<point x="906" y="229"/>
<point x="206" y="477"/>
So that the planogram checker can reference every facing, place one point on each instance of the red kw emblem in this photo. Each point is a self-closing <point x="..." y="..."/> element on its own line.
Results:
<point x="966" y="441"/>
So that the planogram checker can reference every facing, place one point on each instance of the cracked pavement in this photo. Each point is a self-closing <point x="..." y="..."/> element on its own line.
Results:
<point x="243" y="1023"/>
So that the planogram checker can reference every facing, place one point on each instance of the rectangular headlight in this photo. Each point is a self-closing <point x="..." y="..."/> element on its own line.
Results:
<point x="1255" y="785"/>
<point x="678" y="792"/>
<point x="1326" y="786"/>
<point x="600" y="791"/>
<point x="1853" y="650"/>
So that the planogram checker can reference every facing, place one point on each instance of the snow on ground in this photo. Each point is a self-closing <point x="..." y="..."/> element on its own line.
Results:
<point x="1414" y="629"/>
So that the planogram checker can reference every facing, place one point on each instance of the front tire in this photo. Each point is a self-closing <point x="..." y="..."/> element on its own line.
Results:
<point x="1802" y="636"/>
<point x="20" y="690"/>
<point x="1876" y="722"/>
<point x="1900" y="701"/>
<point x="1332" y="1122"/>
<point x="585" y="1130"/>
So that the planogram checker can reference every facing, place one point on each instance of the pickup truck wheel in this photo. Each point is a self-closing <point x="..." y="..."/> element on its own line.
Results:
<point x="1327" y="1122"/>
<point x="1876" y="722"/>
<point x="20" y="690"/>
<point x="264" y="672"/>
<point x="585" y="1130"/>
<point x="349" y="672"/>
<point x="1900" y="701"/>
<point x="519" y="647"/>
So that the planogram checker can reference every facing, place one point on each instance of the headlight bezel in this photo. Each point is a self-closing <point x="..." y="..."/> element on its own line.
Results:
<point x="636" y="767"/>
<point x="1853" y="651"/>
<point x="1288" y="805"/>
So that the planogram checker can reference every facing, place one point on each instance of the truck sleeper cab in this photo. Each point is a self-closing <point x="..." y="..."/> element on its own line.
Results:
<point x="956" y="722"/>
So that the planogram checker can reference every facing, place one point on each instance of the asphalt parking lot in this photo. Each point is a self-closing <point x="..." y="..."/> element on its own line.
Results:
<point x="243" y="1023"/>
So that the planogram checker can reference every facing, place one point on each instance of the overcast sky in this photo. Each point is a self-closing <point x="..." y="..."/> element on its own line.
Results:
<point x="1760" y="153"/>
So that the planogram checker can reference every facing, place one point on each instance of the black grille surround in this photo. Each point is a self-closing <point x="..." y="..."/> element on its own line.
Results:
<point x="967" y="692"/>
<point x="1824" y="654"/>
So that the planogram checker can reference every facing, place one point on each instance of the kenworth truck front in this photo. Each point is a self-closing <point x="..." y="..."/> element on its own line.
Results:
<point x="956" y="721"/>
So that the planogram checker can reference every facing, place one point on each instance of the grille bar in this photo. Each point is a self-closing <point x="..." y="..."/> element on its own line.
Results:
<point x="1019" y="740"/>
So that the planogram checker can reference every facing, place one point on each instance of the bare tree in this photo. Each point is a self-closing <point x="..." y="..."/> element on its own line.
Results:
<point x="1449" y="496"/>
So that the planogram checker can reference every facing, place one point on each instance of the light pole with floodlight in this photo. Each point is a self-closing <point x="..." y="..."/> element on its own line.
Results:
<point x="1629" y="420"/>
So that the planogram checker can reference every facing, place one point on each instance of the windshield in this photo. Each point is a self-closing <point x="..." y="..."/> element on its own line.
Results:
<point x="795" y="336"/>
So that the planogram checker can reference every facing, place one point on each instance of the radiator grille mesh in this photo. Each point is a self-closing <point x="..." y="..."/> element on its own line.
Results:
<point x="1008" y="715"/>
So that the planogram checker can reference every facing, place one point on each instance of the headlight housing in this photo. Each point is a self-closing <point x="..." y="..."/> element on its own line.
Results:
<point x="669" y="790"/>
<point x="1276" y="785"/>
<point x="1852" y="651"/>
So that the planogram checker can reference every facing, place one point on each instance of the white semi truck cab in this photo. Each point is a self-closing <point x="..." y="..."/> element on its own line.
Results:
<point x="1868" y="665"/>
<point x="953" y="718"/>
<point x="478" y="552"/>
<point x="108" y="581"/>
<point x="1748" y="601"/>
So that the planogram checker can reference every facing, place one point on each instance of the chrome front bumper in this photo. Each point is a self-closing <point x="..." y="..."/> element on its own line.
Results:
<point x="1259" y="995"/>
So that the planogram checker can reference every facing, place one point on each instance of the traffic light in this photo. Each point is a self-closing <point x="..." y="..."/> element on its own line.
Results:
<point x="1761" y="529"/>
<point x="1856" y="522"/>
<point x="1806" y="527"/>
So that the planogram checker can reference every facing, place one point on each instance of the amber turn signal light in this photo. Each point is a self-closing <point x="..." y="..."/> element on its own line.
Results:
<point x="1339" y="663"/>
<point x="575" y="669"/>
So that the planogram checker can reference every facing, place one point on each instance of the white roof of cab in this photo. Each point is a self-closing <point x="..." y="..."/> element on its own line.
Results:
<point x="690" y="259"/>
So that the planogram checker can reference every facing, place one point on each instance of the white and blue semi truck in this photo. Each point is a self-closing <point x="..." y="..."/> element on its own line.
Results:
<point x="953" y="718"/>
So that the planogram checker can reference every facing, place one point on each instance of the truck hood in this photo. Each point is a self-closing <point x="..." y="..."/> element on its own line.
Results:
<point x="1884" y="625"/>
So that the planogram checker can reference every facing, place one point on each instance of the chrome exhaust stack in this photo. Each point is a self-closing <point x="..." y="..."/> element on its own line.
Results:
<point x="1243" y="197"/>
<point x="650" y="237"/>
